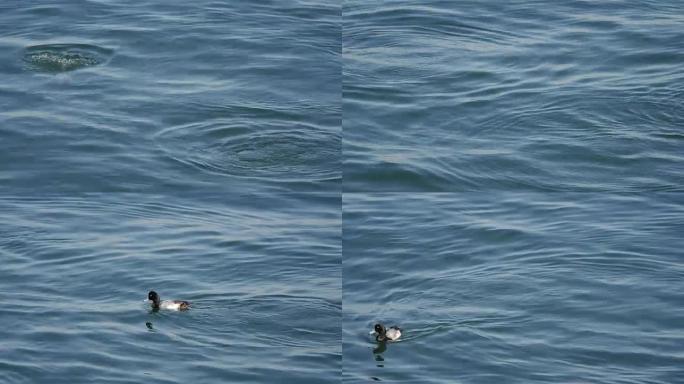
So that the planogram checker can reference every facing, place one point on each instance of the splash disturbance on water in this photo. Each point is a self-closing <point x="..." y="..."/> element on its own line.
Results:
<point x="64" y="57"/>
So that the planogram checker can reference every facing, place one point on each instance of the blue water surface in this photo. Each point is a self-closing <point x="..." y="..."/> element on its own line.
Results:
<point x="123" y="96"/>
<point x="190" y="147"/>
<point x="514" y="288"/>
<point x="515" y="95"/>
<point x="201" y="149"/>
<point x="261" y="274"/>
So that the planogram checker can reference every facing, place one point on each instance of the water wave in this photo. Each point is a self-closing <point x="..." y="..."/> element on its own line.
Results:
<point x="282" y="150"/>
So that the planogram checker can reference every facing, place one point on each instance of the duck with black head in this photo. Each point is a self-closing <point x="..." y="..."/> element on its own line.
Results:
<point x="392" y="333"/>
<point x="174" y="305"/>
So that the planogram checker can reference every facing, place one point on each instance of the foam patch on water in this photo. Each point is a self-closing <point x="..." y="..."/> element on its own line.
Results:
<point x="64" y="57"/>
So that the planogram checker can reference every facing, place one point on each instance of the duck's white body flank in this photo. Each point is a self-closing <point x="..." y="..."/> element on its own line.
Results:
<point x="171" y="305"/>
<point x="386" y="334"/>
<point x="393" y="333"/>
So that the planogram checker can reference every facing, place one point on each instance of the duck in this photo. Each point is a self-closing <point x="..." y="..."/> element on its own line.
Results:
<point x="174" y="305"/>
<point x="386" y="334"/>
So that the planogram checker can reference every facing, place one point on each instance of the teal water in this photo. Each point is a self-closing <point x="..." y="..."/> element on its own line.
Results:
<point x="501" y="179"/>
<point x="514" y="287"/>
<point x="516" y="95"/>
<point x="170" y="96"/>
<point x="192" y="148"/>
<point x="262" y="277"/>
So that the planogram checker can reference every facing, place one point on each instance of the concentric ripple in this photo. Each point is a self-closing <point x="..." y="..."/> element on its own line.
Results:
<point x="64" y="57"/>
<point x="276" y="150"/>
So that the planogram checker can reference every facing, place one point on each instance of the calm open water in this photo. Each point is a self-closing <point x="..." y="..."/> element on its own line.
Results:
<point x="170" y="96"/>
<point x="190" y="147"/>
<point x="514" y="288"/>
<point x="262" y="274"/>
<point x="200" y="149"/>
<point x="513" y="95"/>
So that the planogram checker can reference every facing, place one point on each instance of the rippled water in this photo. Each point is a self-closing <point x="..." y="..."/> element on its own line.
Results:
<point x="167" y="96"/>
<point x="277" y="150"/>
<point x="277" y="162"/>
<point x="514" y="287"/>
<point x="522" y="95"/>
<point x="192" y="148"/>
<point x="262" y="276"/>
